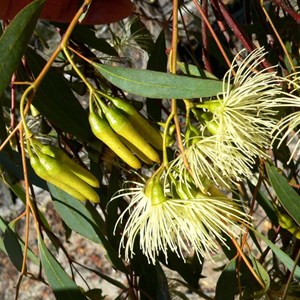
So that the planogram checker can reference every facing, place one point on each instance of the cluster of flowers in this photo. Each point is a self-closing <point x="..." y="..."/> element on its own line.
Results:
<point x="179" y="208"/>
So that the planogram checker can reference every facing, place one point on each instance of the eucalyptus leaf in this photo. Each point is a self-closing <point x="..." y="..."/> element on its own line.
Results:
<point x="192" y="70"/>
<point x="287" y="196"/>
<point x="14" y="41"/>
<point x="13" y="248"/>
<point x="263" y="275"/>
<point x="158" y="85"/>
<point x="226" y="285"/>
<point x="14" y="238"/>
<point x="284" y="258"/>
<point x="62" y="285"/>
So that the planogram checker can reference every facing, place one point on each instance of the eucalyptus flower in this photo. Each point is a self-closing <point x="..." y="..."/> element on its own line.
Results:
<point x="220" y="162"/>
<point x="288" y="127"/>
<point x="159" y="222"/>
<point x="243" y="111"/>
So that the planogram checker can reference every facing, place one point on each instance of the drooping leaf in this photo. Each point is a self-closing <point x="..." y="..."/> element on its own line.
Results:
<point x="13" y="42"/>
<point x="158" y="85"/>
<point x="226" y="285"/>
<point x="263" y="275"/>
<point x="14" y="239"/>
<point x="284" y="258"/>
<point x="79" y="219"/>
<point x="62" y="285"/>
<point x="287" y="196"/>
<point x="95" y="294"/>
<point x="153" y="282"/>
<point x="13" y="248"/>
<point x="107" y="278"/>
<point x="3" y="132"/>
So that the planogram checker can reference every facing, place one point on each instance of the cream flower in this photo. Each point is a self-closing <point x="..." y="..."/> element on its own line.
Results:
<point x="243" y="111"/>
<point x="178" y="225"/>
<point x="220" y="162"/>
<point x="287" y="127"/>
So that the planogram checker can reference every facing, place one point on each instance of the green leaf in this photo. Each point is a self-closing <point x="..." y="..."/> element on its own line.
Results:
<point x="226" y="285"/>
<point x="263" y="275"/>
<point x="287" y="196"/>
<point x="153" y="282"/>
<point x="62" y="285"/>
<point x="158" y="85"/>
<point x="13" y="248"/>
<point x="192" y="70"/>
<point x="3" y="130"/>
<point x="95" y="294"/>
<point x="79" y="219"/>
<point x="13" y="42"/>
<point x="284" y="258"/>
<point x="13" y="239"/>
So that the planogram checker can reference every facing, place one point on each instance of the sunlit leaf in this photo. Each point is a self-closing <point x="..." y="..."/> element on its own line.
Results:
<point x="192" y="70"/>
<point x="158" y="85"/>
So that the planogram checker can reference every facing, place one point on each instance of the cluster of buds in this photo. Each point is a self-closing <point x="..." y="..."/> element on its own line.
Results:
<point x="54" y="165"/>
<point x="125" y="131"/>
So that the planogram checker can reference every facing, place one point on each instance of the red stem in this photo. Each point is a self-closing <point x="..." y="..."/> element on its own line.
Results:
<point x="205" y="53"/>
<point x="288" y="9"/>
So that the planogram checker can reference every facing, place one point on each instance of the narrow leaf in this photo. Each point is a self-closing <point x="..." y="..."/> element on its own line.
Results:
<point x="226" y="285"/>
<point x="263" y="275"/>
<point x="13" y="42"/>
<point x="13" y="248"/>
<point x="284" y="258"/>
<point x="16" y="239"/>
<point x="159" y="85"/>
<point x="287" y="196"/>
<point x="62" y="285"/>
